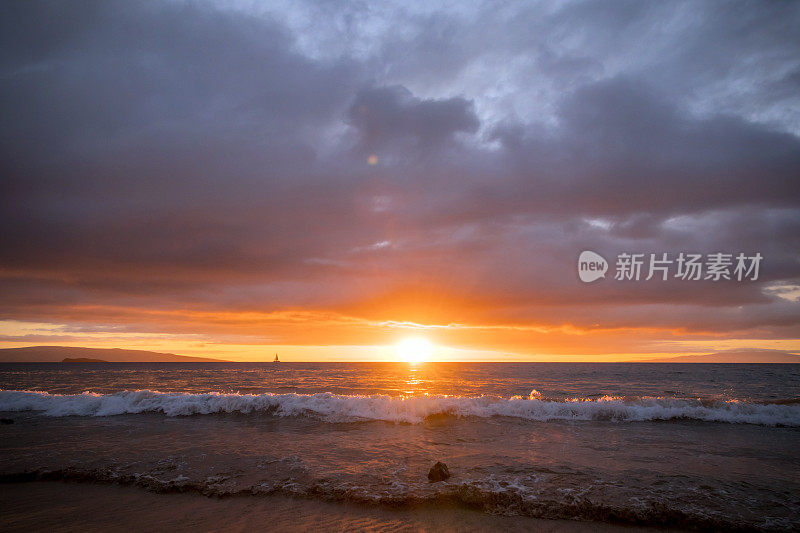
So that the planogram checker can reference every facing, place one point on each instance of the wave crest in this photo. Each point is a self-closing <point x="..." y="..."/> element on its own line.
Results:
<point x="413" y="410"/>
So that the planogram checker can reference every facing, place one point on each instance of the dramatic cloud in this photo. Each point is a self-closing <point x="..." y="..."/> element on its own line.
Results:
<point x="308" y="175"/>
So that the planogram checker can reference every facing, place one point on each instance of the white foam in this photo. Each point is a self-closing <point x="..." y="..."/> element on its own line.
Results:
<point x="340" y="408"/>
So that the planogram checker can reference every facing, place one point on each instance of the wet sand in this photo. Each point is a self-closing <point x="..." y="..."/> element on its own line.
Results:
<point x="59" y="506"/>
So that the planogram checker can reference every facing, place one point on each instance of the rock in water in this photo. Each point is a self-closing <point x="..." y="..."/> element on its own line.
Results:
<point x="438" y="472"/>
<point x="6" y="421"/>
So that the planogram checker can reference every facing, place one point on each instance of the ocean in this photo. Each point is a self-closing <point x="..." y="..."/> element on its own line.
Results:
<point x="688" y="446"/>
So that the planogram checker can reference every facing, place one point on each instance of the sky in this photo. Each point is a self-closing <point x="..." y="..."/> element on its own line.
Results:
<point x="324" y="179"/>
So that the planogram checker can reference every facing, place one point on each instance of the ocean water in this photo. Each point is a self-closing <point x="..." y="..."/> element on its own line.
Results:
<point x="692" y="446"/>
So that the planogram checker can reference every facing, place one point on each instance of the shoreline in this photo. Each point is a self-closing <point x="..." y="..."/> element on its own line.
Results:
<point x="70" y="506"/>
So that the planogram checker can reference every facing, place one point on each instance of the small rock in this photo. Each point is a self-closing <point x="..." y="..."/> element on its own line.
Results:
<point x="6" y="421"/>
<point x="438" y="472"/>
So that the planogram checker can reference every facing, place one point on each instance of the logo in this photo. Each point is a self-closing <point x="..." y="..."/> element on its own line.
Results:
<point x="591" y="266"/>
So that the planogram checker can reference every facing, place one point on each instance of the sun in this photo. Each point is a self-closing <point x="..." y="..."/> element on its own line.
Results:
<point x="414" y="350"/>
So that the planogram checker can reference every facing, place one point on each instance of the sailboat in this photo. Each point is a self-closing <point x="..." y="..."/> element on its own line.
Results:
<point x="276" y="359"/>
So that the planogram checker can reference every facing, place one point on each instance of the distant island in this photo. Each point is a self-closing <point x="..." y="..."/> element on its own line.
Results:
<point x="733" y="356"/>
<point x="73" y="354"/>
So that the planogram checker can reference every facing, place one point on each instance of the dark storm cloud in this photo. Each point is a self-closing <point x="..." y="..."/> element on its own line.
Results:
<point x="166" y="154"/>
<point x="139" y="129"/>
<point x="391" y="119"/>
<point x="619" y="149"/>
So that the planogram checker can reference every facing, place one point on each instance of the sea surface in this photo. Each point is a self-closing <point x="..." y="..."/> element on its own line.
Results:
<point x="695" y="446"/>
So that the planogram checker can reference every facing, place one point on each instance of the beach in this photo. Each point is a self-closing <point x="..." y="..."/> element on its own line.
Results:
<point x="92" y="507"/>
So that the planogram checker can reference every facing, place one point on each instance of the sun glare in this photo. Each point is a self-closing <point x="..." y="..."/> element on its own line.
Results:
<point x="414" y="350"/>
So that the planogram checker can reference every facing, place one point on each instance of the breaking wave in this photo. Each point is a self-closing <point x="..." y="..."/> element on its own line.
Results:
<point x="413" y="410"/>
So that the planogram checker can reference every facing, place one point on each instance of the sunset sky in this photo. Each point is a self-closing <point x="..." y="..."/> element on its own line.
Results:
<point x="324" y="179"/>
